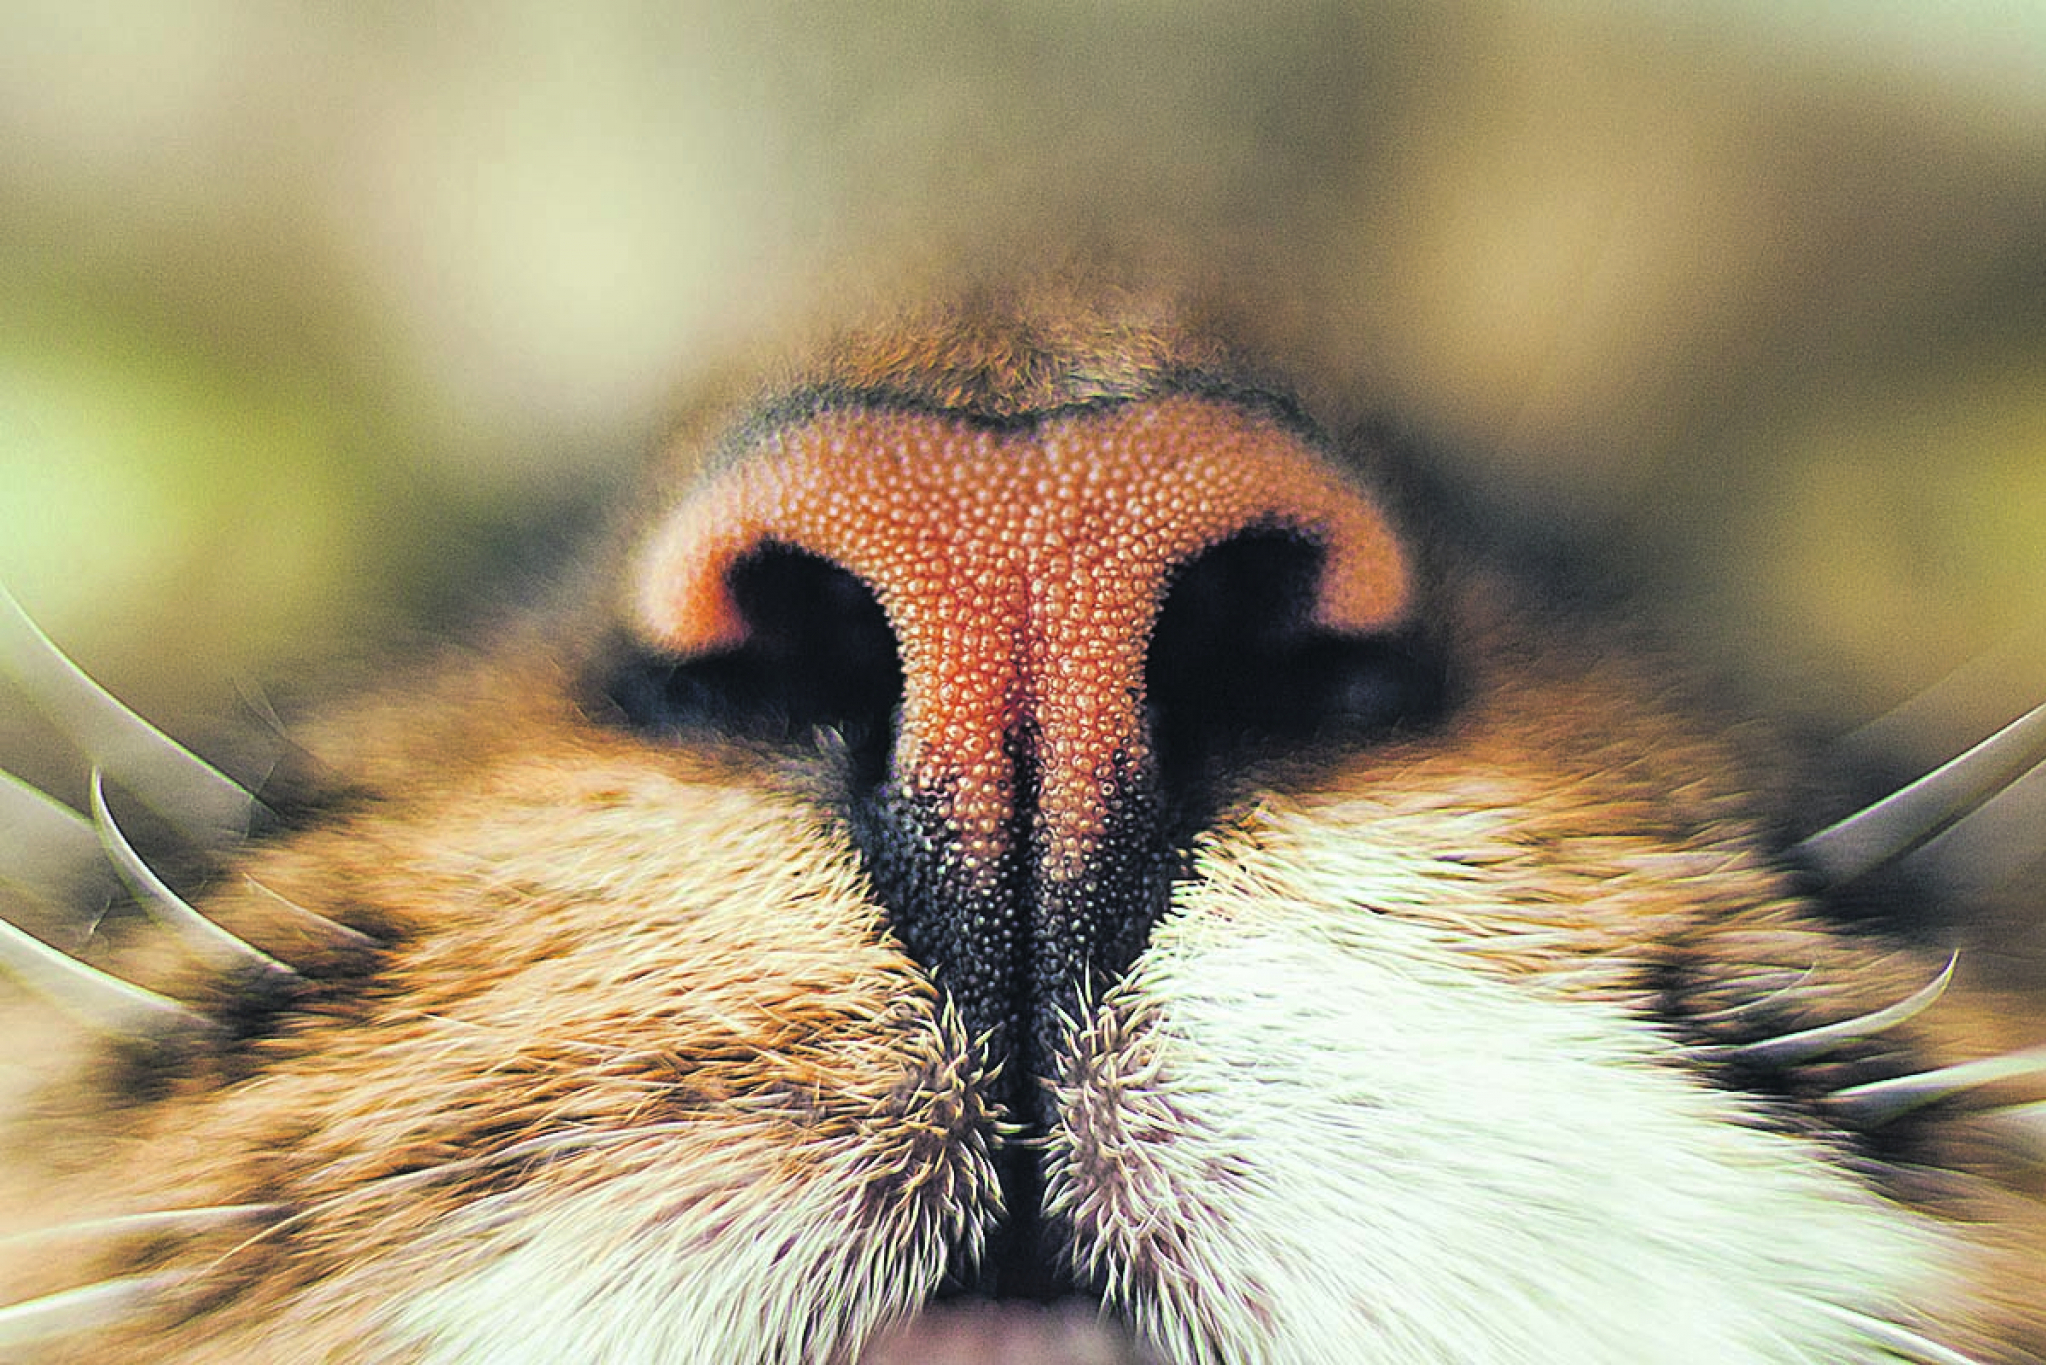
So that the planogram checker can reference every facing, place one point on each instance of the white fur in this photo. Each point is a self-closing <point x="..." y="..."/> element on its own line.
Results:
<point x="1304" y="1131"/>
<point x="714" y="1259"/>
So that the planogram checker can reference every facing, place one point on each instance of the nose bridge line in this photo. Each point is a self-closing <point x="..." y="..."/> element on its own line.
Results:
<point x="1088" y="599"/>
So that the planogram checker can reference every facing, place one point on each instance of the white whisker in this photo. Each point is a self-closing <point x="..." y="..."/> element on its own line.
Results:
<point x="205" y="938"/>
<point x="402" y="1181"/>
<point x="83" y="1309"/>
<point x="155" y="1223"/>
<point x="1776" y="997"/>
<point x="312" y="922"/>
<point x="1816" y="1042"/>
<point x="1877" y="1102"/>
<point x="1899" y="1341"/>
<point x="50" y="852"/>
<point x="2027" y="1124"/>
<point x="200" y="801"/>
<point x="100" y="1001"/>
<point x="1991" y="845"/>
<point x="1904" y="820"/>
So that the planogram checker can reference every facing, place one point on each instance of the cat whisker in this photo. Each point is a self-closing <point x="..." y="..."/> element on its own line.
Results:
<point x="87" y="1308"/>
<point x="311" y="922"/>
<point x="194" y="797"/>
<point x="1773" y="998"/>
<point x="200" y="934"/>
<point x="1999" y="841"/>
<point x="102" y="1002"/>
<point x="1898" y="1340"/>
<point x="256" y="702"/>
<point x="1817" y="1042"/>
<point x="402" y="1181"/>
<point x="49" y="852"/>
<point x="1878" y="1102"/>
<point x="2026" y="1124"/>
<point x="1907" y="819"/>
<point x="187" y="1222"/>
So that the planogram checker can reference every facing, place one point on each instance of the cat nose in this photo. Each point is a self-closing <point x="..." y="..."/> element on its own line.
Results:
<point x="1016" y="832"/>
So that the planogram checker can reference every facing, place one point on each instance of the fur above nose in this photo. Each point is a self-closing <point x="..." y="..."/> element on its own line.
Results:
<point x="1021" y="567"/>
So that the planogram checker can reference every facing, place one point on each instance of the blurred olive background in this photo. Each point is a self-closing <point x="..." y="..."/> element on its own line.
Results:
<point x="317" y="320"/>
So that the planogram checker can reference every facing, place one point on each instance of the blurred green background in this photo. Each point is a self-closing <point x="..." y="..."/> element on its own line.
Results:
<point x="315" y="320"/>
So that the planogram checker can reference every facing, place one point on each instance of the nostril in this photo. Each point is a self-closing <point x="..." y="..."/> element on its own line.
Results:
<point x="815" y="650"/>
<point x="1237" y="657"/>
<point x="1252" y="592"/>
<point x="1031" y="745"/>
<point x="820" y="624"/>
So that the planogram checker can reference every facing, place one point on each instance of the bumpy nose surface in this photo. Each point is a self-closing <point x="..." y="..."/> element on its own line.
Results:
<point x="1021" y="568"/>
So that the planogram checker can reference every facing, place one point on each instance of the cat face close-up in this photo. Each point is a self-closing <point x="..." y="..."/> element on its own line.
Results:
<point x="1052" y="822"/>
<point x="1030" y="825"/>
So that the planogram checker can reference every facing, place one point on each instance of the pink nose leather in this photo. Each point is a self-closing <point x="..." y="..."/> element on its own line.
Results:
<point x="1020" y="570"/>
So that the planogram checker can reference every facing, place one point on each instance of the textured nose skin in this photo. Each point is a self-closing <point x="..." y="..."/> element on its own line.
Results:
<point x="1021" y="568"/>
